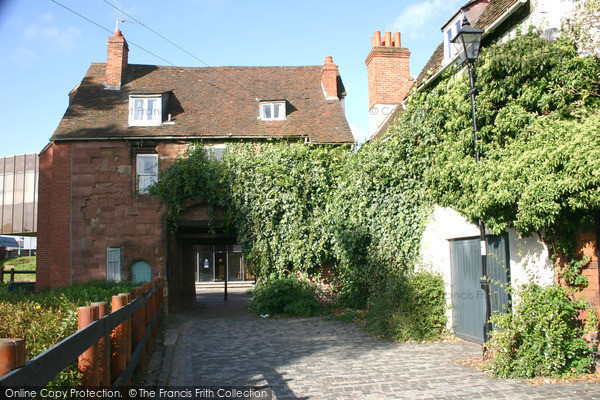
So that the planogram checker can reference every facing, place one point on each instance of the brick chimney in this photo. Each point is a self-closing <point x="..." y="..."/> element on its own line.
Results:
<point x="388" y="76"/>
<point x="329" y="79"/>
<point x="116" y="61"/>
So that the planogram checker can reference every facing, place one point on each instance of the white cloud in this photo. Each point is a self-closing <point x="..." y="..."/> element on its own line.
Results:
<point x="22" y="56"/>
<point x="47" y="17"/>
<point x="60" y="39"/>
<point x="416" y="20"/>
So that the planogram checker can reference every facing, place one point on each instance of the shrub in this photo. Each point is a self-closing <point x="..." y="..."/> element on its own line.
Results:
<point x="47" y="317"/>
<point x="409" y="308"/>
<point x="542" y="337"/>
<point x="287" y="296"/>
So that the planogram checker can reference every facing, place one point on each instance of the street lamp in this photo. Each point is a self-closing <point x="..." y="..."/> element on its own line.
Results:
<point x="467" y="42"/>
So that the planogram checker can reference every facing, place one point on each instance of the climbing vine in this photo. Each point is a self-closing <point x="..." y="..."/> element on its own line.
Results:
<point x="539" y="140"/>
<point x="298" y="208"/>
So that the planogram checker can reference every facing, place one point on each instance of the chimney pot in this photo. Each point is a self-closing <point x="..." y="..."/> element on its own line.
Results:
<point x="397" y="39"/>
<point x="377" y="38"/>
<point x="388" y="39"/>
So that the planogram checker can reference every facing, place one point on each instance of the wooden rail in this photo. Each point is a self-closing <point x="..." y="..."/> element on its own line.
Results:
<point x="12" y="273"/>
<point x="85" y="344"/>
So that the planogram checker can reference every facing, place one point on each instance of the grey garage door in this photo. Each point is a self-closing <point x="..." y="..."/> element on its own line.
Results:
<point x="468" y="299"/>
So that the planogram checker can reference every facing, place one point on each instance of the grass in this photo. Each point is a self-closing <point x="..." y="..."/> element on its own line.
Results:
<point x="20" y="264"/>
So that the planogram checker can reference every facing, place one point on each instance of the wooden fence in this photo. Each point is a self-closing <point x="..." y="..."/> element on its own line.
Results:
<point x="11" y="272"/>
<point x="108" y="346"/>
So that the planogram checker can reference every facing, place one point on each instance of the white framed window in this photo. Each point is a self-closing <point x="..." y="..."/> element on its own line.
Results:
<point x="145" y="110"/>
<point x="272" y="111"/>
<point x="449" y="33"/>
<point x="146" y="169"/>
<point x="113" y="264"/>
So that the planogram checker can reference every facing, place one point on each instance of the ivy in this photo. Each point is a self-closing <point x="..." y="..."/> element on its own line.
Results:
<point x="537" y="109"/>
<point x="296" y="208"/>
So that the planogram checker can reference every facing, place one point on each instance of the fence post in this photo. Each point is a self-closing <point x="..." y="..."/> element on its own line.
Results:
<point x="155" y="305"/>
<point x="137" y="330"/>
<point x="12" y="354"/>
<point x="88" y="360"/>
<point x="149" y="315"/>
<point x="12" y="275"/>
<point x="127" y="330"/>
<point x="103" y="348"/>
<point x="117" y="338"/>
<point x="1" y="273"/>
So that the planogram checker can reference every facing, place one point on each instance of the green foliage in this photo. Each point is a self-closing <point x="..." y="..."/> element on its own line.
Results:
<point x="542" y="337"/>
<point x="195" y="177"/>
<point x="583" y="26"/>
<point x="572" y="273"/>
<point x="286" y="297"/>
<point x="378" y="215"/>
<point x="297" y="208"/>
<point x="279" y="199"/>
<point x="47" y="317"/>
<point x="410" y="308"/>
<point x="537" y="109"/>
<point x="20" y="264"/>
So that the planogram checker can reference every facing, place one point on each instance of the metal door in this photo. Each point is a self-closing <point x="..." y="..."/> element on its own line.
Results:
<point x="468" y="298"/>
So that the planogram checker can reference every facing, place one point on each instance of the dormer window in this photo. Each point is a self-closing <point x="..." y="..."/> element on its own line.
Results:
<point x="450" y="30"/>
<point x="272" y="111"/>
<point x="146" y="110"/>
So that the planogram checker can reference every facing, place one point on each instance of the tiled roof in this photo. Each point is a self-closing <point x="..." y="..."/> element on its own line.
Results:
<point x="491" y="13"/>
<point x="433" y="65"/>
<point x="213" y="102"/>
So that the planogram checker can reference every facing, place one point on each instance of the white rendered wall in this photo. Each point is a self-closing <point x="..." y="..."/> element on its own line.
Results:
<point x="528" y="257"/>
<point x="378" y="115"/>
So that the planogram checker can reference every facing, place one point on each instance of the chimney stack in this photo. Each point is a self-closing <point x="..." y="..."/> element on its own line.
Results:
<point x="116" y="61"/>
<point x="388" y="76"/>
<point x="329" y="79"/>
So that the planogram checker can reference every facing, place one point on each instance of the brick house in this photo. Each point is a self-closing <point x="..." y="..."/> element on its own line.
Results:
<point x="123" y="124"/>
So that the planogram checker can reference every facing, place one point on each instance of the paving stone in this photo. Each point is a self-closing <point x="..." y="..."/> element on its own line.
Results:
<point x="222" y="344"/>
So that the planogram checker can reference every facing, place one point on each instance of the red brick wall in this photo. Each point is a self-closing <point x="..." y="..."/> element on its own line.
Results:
<point x="54" y="215"/>
<point x="388" y="75"/>
<point x="586" y="245"/>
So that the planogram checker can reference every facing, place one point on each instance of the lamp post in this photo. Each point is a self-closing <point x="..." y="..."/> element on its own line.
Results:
<point x="467" y="41"/>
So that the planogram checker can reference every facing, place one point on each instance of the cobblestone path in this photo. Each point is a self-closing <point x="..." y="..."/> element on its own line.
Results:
<point x="314" y="358"/>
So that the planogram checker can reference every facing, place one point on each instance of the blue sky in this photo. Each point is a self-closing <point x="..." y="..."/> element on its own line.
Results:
<point x="47" y="50"/>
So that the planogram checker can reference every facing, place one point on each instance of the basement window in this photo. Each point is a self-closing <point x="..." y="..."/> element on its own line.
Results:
<point x="272" y="111"/>
<point x="145" y="110"/>
<point x="146" y="169"/>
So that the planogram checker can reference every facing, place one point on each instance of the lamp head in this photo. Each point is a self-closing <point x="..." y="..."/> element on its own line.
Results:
<point x="467" y="42"/>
